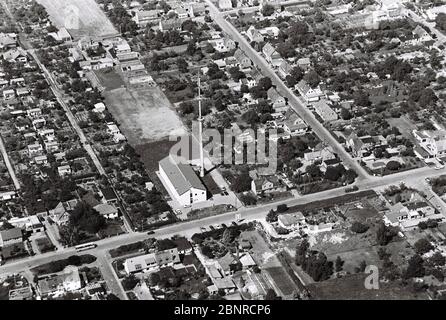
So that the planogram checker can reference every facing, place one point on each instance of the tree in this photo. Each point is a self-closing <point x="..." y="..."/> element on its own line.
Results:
<point x="437" y="259"/>
<point x="129" y="282"/>
<point x="338" y="264"/>
<point x="384" y="234"/>
<point x="154" y="279"/>
<point x="272" y="216"/>
<point x="346" y="114"/>
<point x="242" y="183"/>
<point x="312" y="78"/>
<point x="415" y="267"/>
<point x="267" y="10"/>
<point x="393" y="165"/>
<point x="362" y="266"/>
<point x="423" y="246"/>
<point x="271" y="295"/>
<point x="182" y="65"/>
<point x="282" y="208"/>
<point x="358" y="227"/>
<point x="440" y="21"/>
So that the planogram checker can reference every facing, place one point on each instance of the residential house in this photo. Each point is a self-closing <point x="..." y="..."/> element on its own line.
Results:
<point x="408" y="216"/>
<point x="225" y="4"/>
<point x="294" y="125"/>
<point x="7" y="41"/>
<point x="10" y="237"/>
<point x="276" y="99"/>
<point x="64" y="170"/>
<point x="183" y="245"/>
<point x="28" y="224"/>
<point x="361" y="146"/>
<point x="271" y="55"/>
<point x="143" y="17"/>
<point x="243" y="60"/>
<point x="309" y="94"/>
<point x="57" y="285"/>
<point x="285" y="69"/>
<point x="324" y="111"/>
<point x="61" y="213"/>
<point x="171" y="24"/>
<point x="229" y="44"/>
<point x="304" y="63"/>
<point x="106" y="210"/>
<point x="266" y="185"/>
<point x="291" y="221"/>
<point x="433" y="142"/>
<point x="420" y="35"/>
<point x="152" y="261"/>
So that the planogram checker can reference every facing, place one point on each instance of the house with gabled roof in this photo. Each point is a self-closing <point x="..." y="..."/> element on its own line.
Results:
<point x="271" y="55"/>
<point x="243" y="60"/>
<point x="254" y="35"/>
<point x="309" y="94"/>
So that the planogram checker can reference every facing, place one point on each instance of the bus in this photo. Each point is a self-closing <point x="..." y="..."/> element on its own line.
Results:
<point x="85" y="246"/>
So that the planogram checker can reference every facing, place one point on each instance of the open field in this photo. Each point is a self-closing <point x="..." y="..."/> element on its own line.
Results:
<point x="352" y="288"/>
<point x="144" y="114"/>
<point x="109" y="79"/>
<point x="87" y="14"/>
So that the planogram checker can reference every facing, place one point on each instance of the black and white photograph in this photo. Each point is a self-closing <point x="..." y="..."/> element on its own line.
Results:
<point x="228" y="156"/>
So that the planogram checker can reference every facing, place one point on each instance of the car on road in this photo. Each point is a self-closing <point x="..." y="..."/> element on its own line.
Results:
<point x="150" y="232"/>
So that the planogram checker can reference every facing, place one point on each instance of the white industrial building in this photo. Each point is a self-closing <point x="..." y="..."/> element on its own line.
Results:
<point x="182" y="182"/>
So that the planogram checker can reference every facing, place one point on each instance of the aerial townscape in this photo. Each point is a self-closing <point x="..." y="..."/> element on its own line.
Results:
<point x="132" y="164"/>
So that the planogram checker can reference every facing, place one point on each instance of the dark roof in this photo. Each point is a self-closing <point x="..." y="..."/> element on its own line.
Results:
<point x="109" y="194"/>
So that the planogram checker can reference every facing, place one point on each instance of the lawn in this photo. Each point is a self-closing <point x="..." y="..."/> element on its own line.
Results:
<point x="144" y="114"/>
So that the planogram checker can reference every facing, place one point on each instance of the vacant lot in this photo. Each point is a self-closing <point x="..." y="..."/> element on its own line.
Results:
<point x="91" y="19"/>
<point x="144" y="114"/>
<point x="352" y="288"/>
<point x="109" y="79"/>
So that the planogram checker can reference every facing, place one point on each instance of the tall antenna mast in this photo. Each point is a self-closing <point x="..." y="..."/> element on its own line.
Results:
<point x="200" y="130"/>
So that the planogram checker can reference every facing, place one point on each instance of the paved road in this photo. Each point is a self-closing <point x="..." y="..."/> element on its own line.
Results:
<point x="88" y="148"/>
<point x="9" y="165"/>
<point x="296" y="104"/>
<point x="190" y="227"/>
<point x="59" y="96"/>
<point x="441" y="37"/>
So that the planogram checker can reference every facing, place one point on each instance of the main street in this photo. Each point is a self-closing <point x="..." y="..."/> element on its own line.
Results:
<point x="188" y="228"/>
<point x="293" y="100"/>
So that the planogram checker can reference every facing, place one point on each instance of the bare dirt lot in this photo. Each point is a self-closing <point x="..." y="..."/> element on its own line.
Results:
<point x="91" y="19"/>
<point x="144" y="114"/>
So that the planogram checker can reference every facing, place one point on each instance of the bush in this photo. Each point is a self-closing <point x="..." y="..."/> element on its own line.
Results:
<point x="129" y="282"/>
<point x="423" y="246"/>
<point x="358" y="227"/>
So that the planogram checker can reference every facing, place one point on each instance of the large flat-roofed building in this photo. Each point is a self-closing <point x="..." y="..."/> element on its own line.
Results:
<point x="182" y="182"/>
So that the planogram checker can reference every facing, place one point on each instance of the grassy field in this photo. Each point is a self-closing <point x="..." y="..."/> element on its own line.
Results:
<point x="144" y="114"/>
<point x="352" y="288"/>
<point x="109" y="79"/>
<point x="91" y="19"/>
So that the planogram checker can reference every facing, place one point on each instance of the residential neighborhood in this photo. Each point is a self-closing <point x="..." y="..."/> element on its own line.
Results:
<point x="222" y="150"/>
